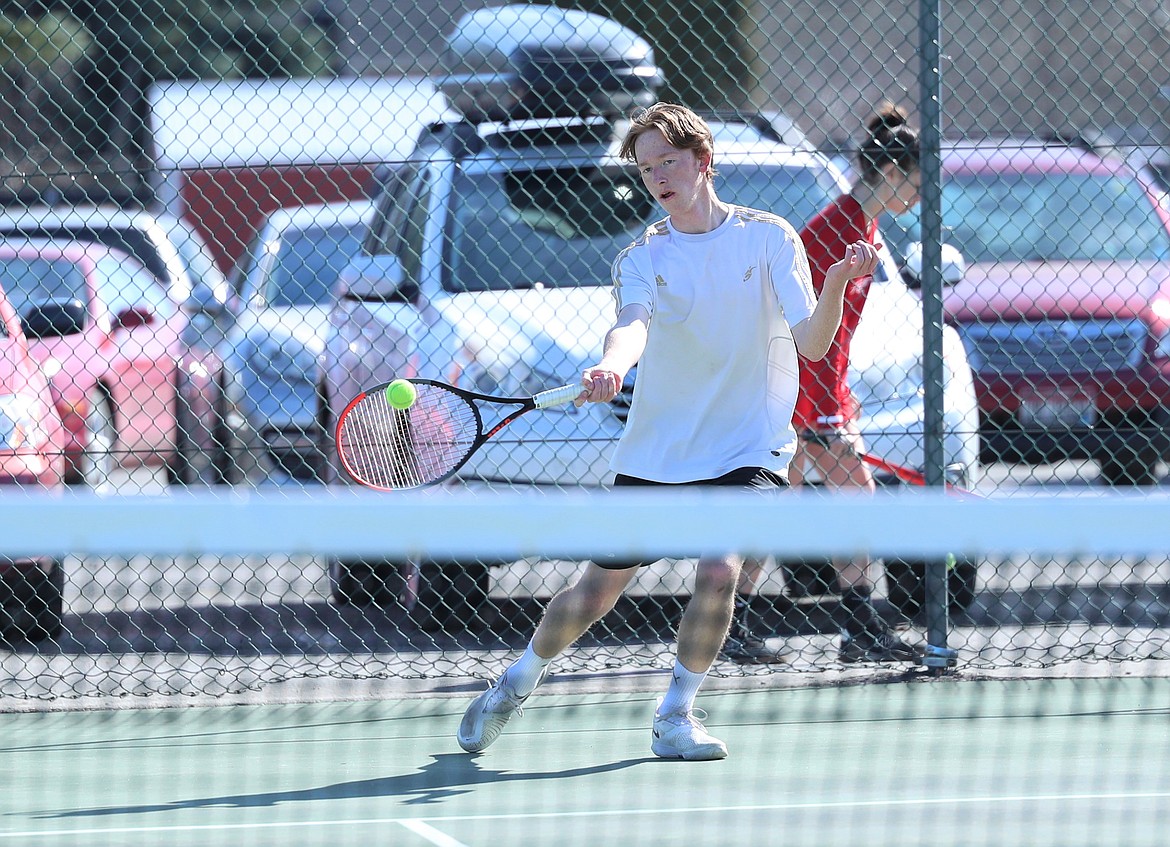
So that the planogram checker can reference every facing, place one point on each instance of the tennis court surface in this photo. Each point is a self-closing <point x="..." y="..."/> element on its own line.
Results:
<point x="930" y="762"/>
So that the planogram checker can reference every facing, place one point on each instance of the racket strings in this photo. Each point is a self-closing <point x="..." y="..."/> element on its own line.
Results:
<point x="405" y="448"/>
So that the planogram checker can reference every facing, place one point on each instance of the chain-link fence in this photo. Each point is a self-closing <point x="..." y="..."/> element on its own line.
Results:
<point x="223" y="221"/>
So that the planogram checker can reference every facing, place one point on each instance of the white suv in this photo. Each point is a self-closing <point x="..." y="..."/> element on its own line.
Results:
<point x="488" y="266"/>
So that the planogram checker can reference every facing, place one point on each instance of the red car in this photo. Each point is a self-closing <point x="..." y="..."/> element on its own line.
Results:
<point x="32" y="442"/>
<point x="106" y="333"/>
<point x="1065" y="304"/>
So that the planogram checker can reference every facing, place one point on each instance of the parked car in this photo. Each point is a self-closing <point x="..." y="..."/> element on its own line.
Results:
<point x="1064" y="306"/>
<point x="32" y="455"/>
<point x="105" y="331"/>
<point x="487" y="266"/>
<point x="476" y="276"/>
<point x="175" y="253"/>
<point x="266" y="404"/>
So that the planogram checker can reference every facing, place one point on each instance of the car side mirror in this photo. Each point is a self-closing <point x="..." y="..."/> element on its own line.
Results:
<point x="133" y="318"/>
<point x="54" y="319"/>
<point x="954" y="266"/>
<point x="379" y="279"/>
<point x="204" y="299"/>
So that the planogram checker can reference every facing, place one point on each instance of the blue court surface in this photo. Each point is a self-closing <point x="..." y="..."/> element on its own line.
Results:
<point x="940" y="762"/>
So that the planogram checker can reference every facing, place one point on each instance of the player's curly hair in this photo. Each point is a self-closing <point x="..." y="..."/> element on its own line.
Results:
<point x="680" y="126"/>
<point x="889" y="140"/>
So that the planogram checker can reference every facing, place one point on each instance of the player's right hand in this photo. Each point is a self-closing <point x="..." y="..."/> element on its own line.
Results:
<point x="598" y="385"/>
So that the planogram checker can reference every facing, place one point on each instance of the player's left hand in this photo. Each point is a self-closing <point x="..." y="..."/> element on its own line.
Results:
<point x="860" y="259"/>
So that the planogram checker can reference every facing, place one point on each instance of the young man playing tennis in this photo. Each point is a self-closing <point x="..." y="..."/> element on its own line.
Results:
<point x="713" y="304"/>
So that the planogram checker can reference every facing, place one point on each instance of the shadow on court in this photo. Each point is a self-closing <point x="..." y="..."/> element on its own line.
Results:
<point x="447" y="775"/>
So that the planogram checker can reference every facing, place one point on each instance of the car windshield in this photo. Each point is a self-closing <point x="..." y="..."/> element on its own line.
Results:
<point x="30" y="281"/>
<point x="126" y="284"/>
<point x="1028" y="217"/>
<point x="308" y="262"/>
<point x="563" y="227"/>
<point x="129" y="240"/>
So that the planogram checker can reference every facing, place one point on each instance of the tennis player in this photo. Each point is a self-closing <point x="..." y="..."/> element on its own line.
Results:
<point x="830" y="441"/>
<point x="713" y="303"/>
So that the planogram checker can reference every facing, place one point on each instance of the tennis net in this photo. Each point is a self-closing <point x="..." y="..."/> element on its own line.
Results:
<point x="206" y="594"/>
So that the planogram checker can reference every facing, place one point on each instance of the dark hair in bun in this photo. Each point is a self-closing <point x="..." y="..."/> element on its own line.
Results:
<point x="889" y="140"/>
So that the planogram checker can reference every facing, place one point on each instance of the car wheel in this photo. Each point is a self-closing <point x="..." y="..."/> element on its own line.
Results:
<point x="32" y="603"/>
<point x="906" y="585"/>
<point x="229" y="454"/>
<point x="99" y="460"/>
<point x="181" y="470"/>
<point x="364" y="583"/>
<point x="453" y="596"/>
<point x="808" y="577"/>
<point x="1128" y="457"/>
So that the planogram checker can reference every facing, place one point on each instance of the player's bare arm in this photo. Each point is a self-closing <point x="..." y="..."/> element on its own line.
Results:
<point x="814" y="334"/>
<point x="624" y="344"/>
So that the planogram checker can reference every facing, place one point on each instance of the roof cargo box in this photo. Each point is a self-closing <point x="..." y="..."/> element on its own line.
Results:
<point x="524" y="61"/>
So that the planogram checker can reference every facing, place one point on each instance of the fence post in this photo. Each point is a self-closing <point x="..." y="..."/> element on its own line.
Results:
<point x="930" y="108"/>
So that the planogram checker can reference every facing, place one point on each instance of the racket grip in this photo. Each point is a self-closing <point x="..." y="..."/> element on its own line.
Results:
<point x="557" y="396"/>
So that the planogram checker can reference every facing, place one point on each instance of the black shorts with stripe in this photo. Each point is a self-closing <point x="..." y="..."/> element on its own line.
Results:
<point x="751" y="479"/>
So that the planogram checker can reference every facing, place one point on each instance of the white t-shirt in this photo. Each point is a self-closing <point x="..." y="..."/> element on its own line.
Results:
<point x="717" y="383"/>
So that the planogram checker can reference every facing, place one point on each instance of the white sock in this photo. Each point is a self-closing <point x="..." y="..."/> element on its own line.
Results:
<point x="680" y="696"/>
<point x="524" y="675"/>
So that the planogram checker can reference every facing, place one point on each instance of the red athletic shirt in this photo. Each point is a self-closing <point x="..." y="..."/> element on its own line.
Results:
<point x="825" y="401"/>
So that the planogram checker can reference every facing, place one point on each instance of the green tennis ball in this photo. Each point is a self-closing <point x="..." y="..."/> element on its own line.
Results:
<point x="401" y="394"/>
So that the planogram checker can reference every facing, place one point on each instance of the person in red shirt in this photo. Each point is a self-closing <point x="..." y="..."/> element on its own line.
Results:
<point x="830" y="444"/>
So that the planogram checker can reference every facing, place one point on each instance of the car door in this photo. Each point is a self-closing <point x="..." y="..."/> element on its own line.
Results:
<point x="143" y="338"/>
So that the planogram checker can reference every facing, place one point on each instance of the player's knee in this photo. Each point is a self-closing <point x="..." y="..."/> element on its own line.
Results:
<point x="717" y="576"/>
<point x="593" y="605"/>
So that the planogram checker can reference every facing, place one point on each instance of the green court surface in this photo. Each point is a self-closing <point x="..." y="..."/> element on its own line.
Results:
<point x="938" y="762"/>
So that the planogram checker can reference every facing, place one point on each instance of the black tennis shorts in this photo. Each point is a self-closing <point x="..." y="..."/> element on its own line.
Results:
<point x="752" y="479"/>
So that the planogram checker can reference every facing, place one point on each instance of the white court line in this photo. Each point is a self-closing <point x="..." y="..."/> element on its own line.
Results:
<point x="608" y="813"/>
<point x="425" y="830"/>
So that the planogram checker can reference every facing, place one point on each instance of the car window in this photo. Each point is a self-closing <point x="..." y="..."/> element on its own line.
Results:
<point x="123" y="284"/>
<point x="33" y="281"/>
<point x="1008" y="217"/>
<point x="554" y="227"/>
<point x="796" y="192"/>
<point x="308" y="262"/>
<point x="196" y="258"/>
<point x="409" y="247"/>
<point x="399" y="185"/>
<point x="132" y="241"/>
<point x="563" y="227"/>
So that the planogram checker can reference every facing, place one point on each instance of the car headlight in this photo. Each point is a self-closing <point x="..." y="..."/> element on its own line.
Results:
<point x="518" y="380"/>
<point x="1160" y="327"/>
<point x="283" y="358"/>
<point x="538" y="379"/>
<point x="1162" y="347"/>
<point x="885" y="382"/>
<point x="19" y="426"/>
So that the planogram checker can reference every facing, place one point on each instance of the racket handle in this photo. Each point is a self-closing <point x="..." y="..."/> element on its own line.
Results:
<point x="557" y="396"/>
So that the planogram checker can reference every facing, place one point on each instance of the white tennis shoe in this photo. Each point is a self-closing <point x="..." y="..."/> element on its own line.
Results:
<point x="680" y="735"/>
<point x="489" y="713"/>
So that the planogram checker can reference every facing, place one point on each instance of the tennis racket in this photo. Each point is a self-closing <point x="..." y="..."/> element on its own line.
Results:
<point x="394" y="449"/>
<point x="910" y="475"/>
